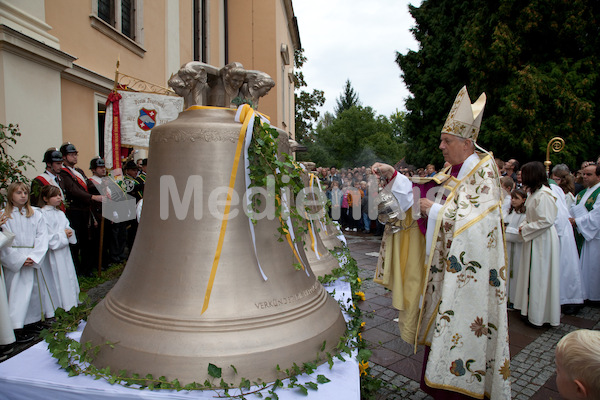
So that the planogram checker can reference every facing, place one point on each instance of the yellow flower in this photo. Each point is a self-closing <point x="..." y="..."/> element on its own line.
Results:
<point x="358" y="280"/>
<point x="362" y="366"/>
<point x="359" y="336"/>
<point x="361" y="295"/>
<point x="505" y="369"/>
<point x="362" y="324"/>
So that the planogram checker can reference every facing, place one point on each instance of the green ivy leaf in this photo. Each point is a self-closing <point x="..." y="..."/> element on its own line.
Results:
<point x="214" y="371"/>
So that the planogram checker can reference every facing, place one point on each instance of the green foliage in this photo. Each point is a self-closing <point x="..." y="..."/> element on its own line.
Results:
<point x="266" y="162"/>
<point x="356" y="137"/>
<point x="347" y="100"/>
<point x="11" y="169"/>
<point x="306" y="104"/>
<point x="536" y="61"/>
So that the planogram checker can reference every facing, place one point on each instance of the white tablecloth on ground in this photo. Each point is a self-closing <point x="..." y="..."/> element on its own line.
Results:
<point x="35" y="374"/>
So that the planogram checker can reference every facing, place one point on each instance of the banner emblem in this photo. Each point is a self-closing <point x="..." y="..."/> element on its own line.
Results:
<point x="147" y="119"/>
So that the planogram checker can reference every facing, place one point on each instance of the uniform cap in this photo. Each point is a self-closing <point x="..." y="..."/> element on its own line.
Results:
<point x="130" y="165"/>
<point x="96" y="162"/>
<point x="68" y="148"/>
<point x="52" y="155"/>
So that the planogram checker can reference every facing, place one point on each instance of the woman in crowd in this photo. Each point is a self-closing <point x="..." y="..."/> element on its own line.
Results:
<point x="538" y="287"/>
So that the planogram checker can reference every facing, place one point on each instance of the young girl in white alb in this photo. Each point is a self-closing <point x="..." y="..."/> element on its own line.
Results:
<point x="514" y="241"/>
<point x="60" y="235"/>
<point x="30" y="286"/>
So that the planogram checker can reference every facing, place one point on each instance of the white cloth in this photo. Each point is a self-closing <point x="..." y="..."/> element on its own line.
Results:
<point x="538" y="288"/>
<point x="7" y="335"/>
<point x="34" y="375"/>
<point x="506" y="203"/>
<point x="514" y="247"/>
<point x="571" y="287"/>
<point x="60" y="259"/>
<point x="31" y="290"/>
<point x="467" y="167"/>
<point x="588" y="224"/>
<point x="569" y="199"/>
<point x="402" y="189"/>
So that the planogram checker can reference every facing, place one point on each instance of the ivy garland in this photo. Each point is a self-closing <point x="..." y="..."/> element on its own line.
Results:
<point x="76" y="358"/>
<point x="267" y="163"/>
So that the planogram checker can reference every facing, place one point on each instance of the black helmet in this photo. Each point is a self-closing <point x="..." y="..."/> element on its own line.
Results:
<point x="52" y="155"/>
<point x="130" y="165"/>
<point x="96" y="162"/>
<point x="68" y="148"/>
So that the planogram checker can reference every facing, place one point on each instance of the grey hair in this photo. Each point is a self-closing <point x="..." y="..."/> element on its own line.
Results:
<point x="560" y="167"/>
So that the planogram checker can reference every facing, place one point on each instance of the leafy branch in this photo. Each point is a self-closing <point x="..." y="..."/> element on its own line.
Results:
<point x="11" y="169"/>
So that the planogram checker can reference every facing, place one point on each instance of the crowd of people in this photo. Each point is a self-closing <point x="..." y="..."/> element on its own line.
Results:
<point x="542" y="216"/>
<point x="54" y="231"/>
<point x="348" y="190"/>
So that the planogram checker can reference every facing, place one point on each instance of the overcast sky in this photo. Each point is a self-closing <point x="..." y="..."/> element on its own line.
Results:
<point x="356" y="40"/>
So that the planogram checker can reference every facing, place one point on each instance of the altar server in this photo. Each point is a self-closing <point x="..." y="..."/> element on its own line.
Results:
<point x="60" y="235"/>
<point x="7" y="335"/>
<point x="30" y="284"/>
<point x="514" y="241"/>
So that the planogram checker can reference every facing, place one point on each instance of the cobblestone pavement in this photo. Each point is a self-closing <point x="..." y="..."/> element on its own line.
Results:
<point x="394" y="361"/>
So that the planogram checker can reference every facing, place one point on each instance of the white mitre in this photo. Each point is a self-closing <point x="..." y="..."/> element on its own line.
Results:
<point x="464" y="119"/>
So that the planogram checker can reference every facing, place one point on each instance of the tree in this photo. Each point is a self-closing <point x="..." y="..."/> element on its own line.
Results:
<point x="536" y="61"/>
<point x="347" y="99"/>
<point x="11" y="169"/>
<point x="356" y="137"/>
<point x="306" y="104"/>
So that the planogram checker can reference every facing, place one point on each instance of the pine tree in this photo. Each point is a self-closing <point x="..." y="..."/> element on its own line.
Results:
<point x="347" y="99"/>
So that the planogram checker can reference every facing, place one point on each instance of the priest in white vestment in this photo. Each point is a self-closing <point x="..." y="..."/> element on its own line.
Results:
<point x="571" y="286"/>
<point x="585" y="216"/>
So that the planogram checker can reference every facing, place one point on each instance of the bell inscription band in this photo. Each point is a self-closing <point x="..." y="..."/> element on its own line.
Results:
<point x="153" y="315"/>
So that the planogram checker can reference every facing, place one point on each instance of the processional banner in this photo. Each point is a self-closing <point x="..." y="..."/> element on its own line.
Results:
<point x="138" y="113"/>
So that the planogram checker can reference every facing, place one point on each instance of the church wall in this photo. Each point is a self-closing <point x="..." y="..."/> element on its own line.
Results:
<point x="31" y="99"/>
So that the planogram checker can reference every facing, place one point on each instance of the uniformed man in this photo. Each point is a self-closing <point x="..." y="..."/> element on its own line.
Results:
<point x="51" y="176"/>
<point x="78" y="212"/>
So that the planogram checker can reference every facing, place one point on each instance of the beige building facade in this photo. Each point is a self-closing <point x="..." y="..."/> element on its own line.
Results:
<point x="58" y="59"/>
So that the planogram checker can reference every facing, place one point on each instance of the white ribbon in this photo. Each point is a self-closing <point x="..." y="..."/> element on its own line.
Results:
<point x="247" y="141"/>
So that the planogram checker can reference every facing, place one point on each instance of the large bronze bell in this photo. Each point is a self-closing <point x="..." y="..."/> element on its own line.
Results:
<point x="321" y="261"/>
<point x="329" y="236"/>
<point x="153" y="315"/>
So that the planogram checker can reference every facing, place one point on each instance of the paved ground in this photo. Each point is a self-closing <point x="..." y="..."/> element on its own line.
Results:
<point x="393" y="361"/>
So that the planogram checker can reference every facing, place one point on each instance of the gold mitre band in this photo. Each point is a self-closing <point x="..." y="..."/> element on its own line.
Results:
<point x="464" y="119"/>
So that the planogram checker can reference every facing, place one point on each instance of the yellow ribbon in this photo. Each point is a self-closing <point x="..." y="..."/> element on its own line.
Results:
<point x="287" y="235"/>
<point x="246" y="116"/>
